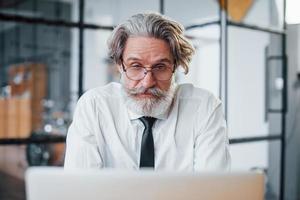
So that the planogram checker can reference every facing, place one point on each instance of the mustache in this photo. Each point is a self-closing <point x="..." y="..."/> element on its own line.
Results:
<point x="141" y="90"/>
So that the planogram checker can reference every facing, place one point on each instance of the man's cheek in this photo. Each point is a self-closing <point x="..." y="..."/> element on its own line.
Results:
<point x="131" y="84"/>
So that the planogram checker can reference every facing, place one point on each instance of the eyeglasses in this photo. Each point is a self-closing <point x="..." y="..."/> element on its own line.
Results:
<point x="161" y="72"/>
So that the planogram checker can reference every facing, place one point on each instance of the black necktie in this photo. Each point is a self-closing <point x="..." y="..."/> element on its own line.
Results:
<point x="147" y="147"/>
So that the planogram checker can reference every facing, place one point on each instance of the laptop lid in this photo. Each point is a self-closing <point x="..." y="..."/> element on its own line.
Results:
<point x="51" y="183"/>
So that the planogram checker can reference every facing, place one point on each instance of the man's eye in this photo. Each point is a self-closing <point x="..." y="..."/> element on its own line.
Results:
<point x="160" y="67"/>
<point x="136" y="66"/>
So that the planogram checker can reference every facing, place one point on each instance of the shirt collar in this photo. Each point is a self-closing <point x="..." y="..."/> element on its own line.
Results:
<point x="134" y="116"/>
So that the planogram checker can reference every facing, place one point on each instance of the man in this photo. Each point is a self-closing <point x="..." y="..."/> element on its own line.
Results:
<point x="148" y="120"/>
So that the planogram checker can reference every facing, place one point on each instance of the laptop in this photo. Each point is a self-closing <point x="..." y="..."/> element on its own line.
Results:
<point x="50" y="183"/>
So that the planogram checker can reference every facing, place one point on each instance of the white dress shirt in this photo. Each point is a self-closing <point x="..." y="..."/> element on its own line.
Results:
<point x="192" y="136"/>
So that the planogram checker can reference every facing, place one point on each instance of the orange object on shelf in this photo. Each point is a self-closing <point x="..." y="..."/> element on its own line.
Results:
<point x="12" y="118"/>
<point x="15" y="118"/>
<point x="24" y="117"/>
<point x="237" y="9"/>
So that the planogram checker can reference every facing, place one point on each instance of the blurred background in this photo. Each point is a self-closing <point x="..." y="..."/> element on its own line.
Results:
<point x="247" y="53"/>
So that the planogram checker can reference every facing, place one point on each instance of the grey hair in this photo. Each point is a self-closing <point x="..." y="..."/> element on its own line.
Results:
<point x="152" y="25"/>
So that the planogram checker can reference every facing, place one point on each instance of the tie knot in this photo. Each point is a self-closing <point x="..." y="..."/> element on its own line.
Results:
<point x="147" y="121"/>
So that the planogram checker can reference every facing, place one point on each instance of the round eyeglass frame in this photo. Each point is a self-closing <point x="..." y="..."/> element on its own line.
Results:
<point x="145" y="72"/>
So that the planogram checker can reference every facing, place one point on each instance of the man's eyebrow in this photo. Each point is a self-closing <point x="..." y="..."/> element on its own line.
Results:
<point x="133" y="59"/>
<point x="158" y="61"/>
<point x="164" y="60"/>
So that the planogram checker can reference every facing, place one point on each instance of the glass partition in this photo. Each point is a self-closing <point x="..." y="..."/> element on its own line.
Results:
<point x="64" y="10"/>
<point x="112" y="12"/>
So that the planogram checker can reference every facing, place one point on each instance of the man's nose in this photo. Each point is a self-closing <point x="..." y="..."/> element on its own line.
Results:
<point x="149" y="80"/>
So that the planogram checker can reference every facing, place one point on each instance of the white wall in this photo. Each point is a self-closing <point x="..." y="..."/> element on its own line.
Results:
<point x="246" y="74"/>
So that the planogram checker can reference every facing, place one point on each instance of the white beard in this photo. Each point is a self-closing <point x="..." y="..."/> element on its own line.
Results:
<point x="152" y="107"/>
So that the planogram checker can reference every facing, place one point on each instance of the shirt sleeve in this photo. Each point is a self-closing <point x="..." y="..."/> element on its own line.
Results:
<point x="211" y="142"/>
<point x="82" y="150"/>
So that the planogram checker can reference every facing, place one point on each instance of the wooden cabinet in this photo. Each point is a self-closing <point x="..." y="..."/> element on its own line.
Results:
<point x="22" y="113"/>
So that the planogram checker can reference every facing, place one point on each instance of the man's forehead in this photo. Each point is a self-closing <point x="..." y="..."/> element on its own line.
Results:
<point x="141" y="48"/>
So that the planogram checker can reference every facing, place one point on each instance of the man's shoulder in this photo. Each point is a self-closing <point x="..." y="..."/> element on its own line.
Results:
<point x="197" y="96"/>
<point x="188" y="90"/>
<point x="112" y="89"/>
<point x="101" y="94"/>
